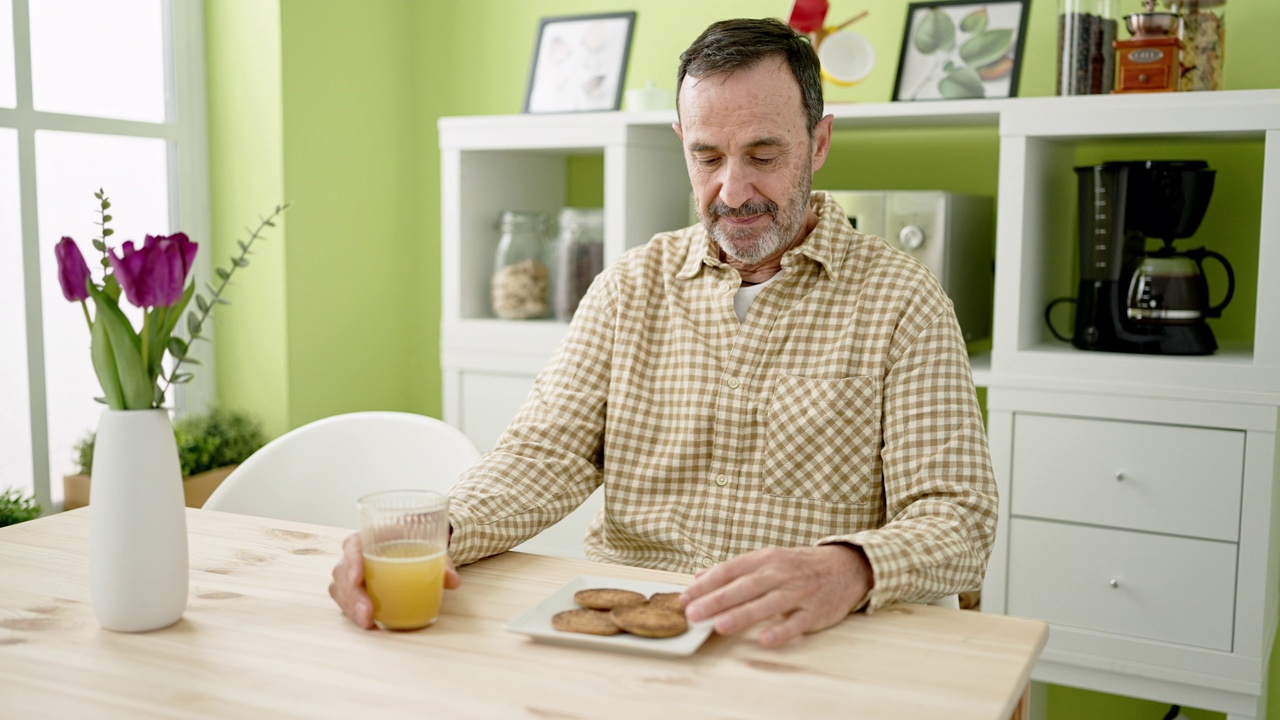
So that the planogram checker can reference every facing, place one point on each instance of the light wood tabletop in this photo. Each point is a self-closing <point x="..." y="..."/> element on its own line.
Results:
<point x="261" y="638"/>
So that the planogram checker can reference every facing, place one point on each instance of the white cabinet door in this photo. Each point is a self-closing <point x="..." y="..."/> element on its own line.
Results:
<point x="1142" y="476"/>
<point x="1128" y="583"/>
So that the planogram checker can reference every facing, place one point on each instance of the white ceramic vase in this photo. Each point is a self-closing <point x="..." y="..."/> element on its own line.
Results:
<point x="138" y="576"/>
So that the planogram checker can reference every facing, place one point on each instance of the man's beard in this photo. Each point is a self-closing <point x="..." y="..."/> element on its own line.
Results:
<point x="750" y="245"/>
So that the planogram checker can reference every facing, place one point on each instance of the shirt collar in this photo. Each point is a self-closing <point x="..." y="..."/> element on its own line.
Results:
<point x="826" y="245"/>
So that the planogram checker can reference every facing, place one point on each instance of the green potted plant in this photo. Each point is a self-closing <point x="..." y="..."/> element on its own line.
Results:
<point x="14" y="508"/>
<point x="210" y="446"/>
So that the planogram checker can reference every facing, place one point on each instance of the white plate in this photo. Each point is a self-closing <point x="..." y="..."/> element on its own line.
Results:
<point x="536" y="622"/>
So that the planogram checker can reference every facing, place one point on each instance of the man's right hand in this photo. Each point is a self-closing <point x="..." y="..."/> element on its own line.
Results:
<point x="347" y="588"/>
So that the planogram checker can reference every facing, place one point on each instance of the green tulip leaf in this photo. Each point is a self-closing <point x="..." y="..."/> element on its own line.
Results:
<point x="104" y="366"/>
<point x="111" y="287"/>
<point x="125" y="348"/>
<point x="166" y="321"/>
<point x="936" y="31"/>
<point x="986" y="47"/>
<point x="961" y="83"/>
<point x="975" y="21"/>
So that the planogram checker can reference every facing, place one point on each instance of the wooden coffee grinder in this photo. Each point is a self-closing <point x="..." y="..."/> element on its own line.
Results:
<point x="1149" y="61"/>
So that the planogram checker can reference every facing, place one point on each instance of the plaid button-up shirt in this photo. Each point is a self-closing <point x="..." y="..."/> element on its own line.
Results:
<point x="841" y="409"/>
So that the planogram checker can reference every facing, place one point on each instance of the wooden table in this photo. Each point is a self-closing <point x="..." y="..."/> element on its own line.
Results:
<point x="261" y="638"/>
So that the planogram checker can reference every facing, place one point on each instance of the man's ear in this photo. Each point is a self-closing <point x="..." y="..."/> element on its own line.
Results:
<point x="822" y="141"/>
<point x="676" y="126"/>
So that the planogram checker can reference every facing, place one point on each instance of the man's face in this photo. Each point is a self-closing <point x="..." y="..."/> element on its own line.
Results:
<point x="750" y="157"/>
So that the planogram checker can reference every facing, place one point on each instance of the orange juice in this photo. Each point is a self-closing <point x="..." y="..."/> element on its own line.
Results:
<point x="405" y="579"/>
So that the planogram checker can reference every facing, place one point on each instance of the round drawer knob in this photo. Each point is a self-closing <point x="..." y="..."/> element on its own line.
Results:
<point x="1120" y="476"/>
<point x="1114" y="583"/>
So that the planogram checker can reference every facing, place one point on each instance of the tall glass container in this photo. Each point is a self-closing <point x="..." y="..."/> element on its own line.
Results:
<point x="1204" y="38"/>
<point x="580" y="257"/>
<point x="521" y="281"/>
<point x="1086" y="58"/>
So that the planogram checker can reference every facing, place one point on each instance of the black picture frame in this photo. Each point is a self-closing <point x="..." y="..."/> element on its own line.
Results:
<point x="958" y="49"/>
<point x="579" y="63"/>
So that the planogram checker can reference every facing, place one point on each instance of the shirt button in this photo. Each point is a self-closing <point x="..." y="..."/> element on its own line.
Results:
<point x="721" y="480"/>
<point x="724" y="286"/>
<point x="733" y="383"/>
<point x="707" y="562"/>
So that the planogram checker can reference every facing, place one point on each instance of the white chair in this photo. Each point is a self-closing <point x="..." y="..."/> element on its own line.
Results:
<point x="315" y="473"/>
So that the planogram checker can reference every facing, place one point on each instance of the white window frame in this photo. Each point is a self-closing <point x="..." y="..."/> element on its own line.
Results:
<point x="186" y="137"/>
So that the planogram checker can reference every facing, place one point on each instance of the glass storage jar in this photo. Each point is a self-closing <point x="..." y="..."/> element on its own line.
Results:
<point x="579" y="257"/>
<point x="520" y="285"/>
<point x="1086" y="57"/>
<point x="1203" y="33"/>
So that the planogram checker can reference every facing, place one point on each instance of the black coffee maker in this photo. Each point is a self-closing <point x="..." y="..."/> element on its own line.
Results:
<point x="1132" y="300"/>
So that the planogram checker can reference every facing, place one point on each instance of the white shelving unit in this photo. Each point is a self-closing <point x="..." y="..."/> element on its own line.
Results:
<point x="1139" y="494"/>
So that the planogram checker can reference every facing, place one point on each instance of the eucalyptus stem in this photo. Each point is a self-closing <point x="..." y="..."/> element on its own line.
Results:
<point x="100" y="242"/>
<point x="195" y="322"/>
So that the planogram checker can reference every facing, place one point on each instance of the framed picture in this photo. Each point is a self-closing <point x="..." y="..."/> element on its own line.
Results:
<point x="954" y="49"/>
<point x="579" y="63"/>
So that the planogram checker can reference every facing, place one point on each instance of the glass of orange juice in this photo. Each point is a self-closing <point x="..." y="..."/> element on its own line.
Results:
<point x="405" y="535"/>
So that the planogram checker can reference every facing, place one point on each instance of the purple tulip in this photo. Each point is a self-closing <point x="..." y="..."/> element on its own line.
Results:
<point x="155" y="274"/>
<point x="73" y="273"/>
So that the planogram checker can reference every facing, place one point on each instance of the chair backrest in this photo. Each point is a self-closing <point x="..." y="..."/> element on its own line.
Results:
<point x="315" y="473"/>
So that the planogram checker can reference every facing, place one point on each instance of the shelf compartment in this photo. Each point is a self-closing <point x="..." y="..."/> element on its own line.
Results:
<point x="1037" y="246"/>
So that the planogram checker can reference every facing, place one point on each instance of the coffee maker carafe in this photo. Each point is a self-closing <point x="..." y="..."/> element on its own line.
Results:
<point x="1130" y="300"/>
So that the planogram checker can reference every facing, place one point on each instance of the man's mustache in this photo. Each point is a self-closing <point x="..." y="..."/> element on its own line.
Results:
<point x="719" y="209"/>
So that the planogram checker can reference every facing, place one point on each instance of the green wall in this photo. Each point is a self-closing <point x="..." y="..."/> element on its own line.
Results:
<point x="333" y="105"/>
<point x="246" y="178"/>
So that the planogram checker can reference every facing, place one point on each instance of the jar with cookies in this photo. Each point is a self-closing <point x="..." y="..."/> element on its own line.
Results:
<point x="521" y="283"/>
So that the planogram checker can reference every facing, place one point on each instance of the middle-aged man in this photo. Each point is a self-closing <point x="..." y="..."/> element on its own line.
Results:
<point x="771" y="400"/>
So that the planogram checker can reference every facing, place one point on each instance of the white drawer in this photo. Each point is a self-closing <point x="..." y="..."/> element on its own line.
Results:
<point x="1150" y="586"/>
<point x="1141" y="476"/>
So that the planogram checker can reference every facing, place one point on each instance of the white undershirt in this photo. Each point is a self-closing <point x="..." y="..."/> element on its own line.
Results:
<point x="746" y="293"/>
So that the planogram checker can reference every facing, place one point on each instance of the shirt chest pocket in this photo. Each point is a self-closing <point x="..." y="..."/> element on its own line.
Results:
<point x="822" y="439"/>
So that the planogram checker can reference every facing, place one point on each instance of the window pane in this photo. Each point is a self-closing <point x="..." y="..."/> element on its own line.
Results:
<point x="8" y="92"/>
<point x="15" y="417"/>
<point x="70" y="167"/>
<point x="103" y="58"/>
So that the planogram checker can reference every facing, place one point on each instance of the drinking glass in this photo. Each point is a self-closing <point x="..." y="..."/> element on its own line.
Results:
<point x="405" y="535"/>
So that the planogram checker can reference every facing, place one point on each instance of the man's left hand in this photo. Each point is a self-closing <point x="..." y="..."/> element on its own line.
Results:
<point x="806" y="588"/>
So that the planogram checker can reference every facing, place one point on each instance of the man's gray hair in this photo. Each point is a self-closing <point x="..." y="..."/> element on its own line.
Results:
<point x="731" y="45"/>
